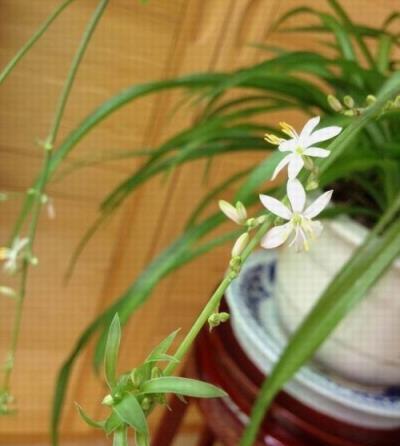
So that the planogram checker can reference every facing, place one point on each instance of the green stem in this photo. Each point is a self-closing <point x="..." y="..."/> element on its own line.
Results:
<point x="215" y="299"/>
<point x="87" y="35"/>
<point x="36" y="36"/>
<point x="200" y="322"/>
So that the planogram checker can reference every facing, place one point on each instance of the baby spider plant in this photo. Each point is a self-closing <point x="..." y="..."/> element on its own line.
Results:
<point x="134" y="394"/>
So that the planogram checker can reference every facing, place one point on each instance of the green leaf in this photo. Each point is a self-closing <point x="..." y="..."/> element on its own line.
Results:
<point x="210" y="196"/>
<point x="130" y="411"/>
<point x="163" y="346"/>
<point x="162" y="357"/>
<point x="261" y="174"/>
<point x="182" y="386"/>
<point x="111" y="352"/>
<point x="112" y="423"/>
<point x="385" y="45"/>
<point x="88" y="420"/>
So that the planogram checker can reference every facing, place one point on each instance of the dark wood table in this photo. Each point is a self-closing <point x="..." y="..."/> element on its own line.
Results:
<point x="218" y="358"/>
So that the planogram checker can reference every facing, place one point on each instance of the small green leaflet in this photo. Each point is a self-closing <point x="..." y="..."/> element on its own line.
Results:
<point x="111" y="352"/>
<point x="130" y="411"/>
<point x="182" y="386"/>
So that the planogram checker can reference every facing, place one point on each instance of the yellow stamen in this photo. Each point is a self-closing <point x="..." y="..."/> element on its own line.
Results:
<point x="272" y="139"/>
<point x="4" y="253"/>
<point x="288" y="129"/>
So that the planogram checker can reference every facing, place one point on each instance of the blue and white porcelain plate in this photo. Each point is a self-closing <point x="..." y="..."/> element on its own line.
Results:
<point x="256" y="325"/>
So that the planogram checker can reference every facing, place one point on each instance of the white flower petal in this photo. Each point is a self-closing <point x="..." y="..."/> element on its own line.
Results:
<point x="296" y="195"/>
<point x="317" y="151"/>
<point x="319" y="205"/>
<point x="288" y="145"/>
<point x="276" y="207"/>
<point x="299" y="240"/>
<point x="276" y="236"/>
<point x="316" y="228"/>
<point x="323" y="134"/>
<point x="308" y="129"/>
<point x="281" y="165"/>
<point x="296" y="163"/>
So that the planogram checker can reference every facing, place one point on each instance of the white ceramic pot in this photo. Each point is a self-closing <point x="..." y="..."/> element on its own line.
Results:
<point x="365" y="347"/>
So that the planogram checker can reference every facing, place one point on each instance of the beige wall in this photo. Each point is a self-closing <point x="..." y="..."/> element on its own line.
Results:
<point x="133" y="43"/>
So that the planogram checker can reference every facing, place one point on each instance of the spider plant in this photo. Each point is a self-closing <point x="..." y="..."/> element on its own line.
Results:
<point x="361" y="81"/>
<point x="366" y="156"/>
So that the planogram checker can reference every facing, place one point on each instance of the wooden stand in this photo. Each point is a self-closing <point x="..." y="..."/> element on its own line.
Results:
<point x="217" y="358"/>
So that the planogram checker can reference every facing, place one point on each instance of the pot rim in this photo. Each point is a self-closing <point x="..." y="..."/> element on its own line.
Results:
<point x="353" y="232"/>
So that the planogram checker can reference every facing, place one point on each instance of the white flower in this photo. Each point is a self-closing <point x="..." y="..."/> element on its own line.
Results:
<point x="300" y="146"/>
<point x="237" y="213"/>
<point x="299" y="221"/>
<point x="11" y="256"/>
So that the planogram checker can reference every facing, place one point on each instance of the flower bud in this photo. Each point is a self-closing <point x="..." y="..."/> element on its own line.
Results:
<point x="224" y="316"/>
<point x="371" y="99"/>
<point x="108" y="400"/>
<point x="232" y="212"/>
<point x="136" y="378"/>
<point x="146" y="403"/>
<point x="312" y="184"/>
<point x="334" y="103"/>
<point x="156" y="373"/>
<point x="241" y="212"/>
<point x="240" y="244"/>
<point x="348" y="101"/>
<point x="308" y="163"/>
<point x="7" y="291"/>
<point x="216" y="319"/>
<point x="260" y="220"/>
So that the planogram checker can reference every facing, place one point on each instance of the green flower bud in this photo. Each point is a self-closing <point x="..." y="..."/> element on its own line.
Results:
<point x="348" y="101"/>
<point x="137" y="378"/>
<point x="371" y="99"/>
<point x="146" y="403"/>
<point x="312" y="184"/>
<point x="224" y="316"/>
<point x="156" y="372"/>
<point x="216" y="319"/>
<point x="308" y="163"/>
<point x="334" y="103"/>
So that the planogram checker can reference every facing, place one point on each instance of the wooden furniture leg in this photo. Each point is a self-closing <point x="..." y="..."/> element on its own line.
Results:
<point x="206" y="438"/>
<point x="170" y="422"/>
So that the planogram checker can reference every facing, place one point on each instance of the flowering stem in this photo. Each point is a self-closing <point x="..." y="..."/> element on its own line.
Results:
<point x="38" y="193"/>
<point x="216" y="299"/>
<point x="36" y="36"/>
<point x="33" y="201"/>
<point x="59" y="113"/>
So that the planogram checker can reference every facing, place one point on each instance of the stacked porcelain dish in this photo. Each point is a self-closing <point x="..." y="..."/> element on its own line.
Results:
<point x="258" y="328"/>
